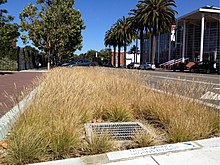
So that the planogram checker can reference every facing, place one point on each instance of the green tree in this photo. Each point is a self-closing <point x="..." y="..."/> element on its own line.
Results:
<point x="105" y="55"/>
<point x="82" y="55"/>
<point x="91" y="54"/>
<point x="156" y="15"/>
<point x="8" y="34"/>
<point x="55" y="27"/>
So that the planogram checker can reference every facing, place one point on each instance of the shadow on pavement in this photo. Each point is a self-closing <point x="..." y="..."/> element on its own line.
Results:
<point x="3" y="73"/>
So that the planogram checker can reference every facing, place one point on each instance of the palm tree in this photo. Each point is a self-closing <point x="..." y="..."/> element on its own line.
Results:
<point x="111" y="40"/>
<point x="141" y="25"/>
<point x="126" y="32"/>
<point x="119" y="39"/>
<point x="114" y="37"/>
<point x="156" y="15"/>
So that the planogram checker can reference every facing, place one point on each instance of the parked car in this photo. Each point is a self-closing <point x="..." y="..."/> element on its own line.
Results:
<point x="203" y="67"/>
<point x="133" y="65"/>
<point x="147" y="66"/>
<point x="82" y="64"/>
<point x="68" y="63"/>
<point x="86" y="64"/>
<point x="218" y="67"/>
<point x="107" y="65"/>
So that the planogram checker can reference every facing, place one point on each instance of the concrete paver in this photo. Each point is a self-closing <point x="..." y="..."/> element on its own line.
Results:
<point x="197" y="157"/>
<point x="13" y="83"/>
<point x="137" y="161"/>
<point x="209" y="143"/>
<point x="73" y="161"/>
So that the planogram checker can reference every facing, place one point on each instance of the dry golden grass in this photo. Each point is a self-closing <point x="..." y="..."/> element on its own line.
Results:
<point x="71" y="97"/>
<point x="99" y="144"/>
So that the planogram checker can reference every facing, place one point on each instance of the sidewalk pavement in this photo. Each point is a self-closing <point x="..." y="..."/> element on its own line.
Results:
<point x="200" y="152"/>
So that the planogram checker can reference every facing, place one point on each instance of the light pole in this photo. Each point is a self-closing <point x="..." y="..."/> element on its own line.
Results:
<point x="173" y="39"/>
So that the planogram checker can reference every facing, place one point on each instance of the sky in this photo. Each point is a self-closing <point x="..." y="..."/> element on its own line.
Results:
<point x="100" y="15"/>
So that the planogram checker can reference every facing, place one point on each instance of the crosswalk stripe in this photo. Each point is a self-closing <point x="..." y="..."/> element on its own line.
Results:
<point x="210" y="96"/>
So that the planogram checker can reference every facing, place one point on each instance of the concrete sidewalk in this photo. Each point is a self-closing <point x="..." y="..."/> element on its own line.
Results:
<point x="200" y="152"/>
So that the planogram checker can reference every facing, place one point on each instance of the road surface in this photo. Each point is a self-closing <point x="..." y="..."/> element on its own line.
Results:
<point x="204" y="87"/>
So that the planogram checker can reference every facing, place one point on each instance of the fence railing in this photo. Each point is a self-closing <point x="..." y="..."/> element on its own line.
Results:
<point x="169" y="64"/>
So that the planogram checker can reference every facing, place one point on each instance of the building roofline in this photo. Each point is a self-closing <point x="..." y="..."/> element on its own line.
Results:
<point x="210" y="10"/>
<point x="206" y="9"/>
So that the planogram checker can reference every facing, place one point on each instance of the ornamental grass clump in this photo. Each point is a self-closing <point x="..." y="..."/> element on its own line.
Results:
<point x="100" y="144"/>
<point x="148" y="137"/>
<point x="118" y="114"/>
<point x="52" y="127"/>
<point x="184" y="119"/>
<point x="26" y="145"/>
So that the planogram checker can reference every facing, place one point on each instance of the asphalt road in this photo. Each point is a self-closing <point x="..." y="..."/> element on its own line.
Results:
<point x="203" y="87"/>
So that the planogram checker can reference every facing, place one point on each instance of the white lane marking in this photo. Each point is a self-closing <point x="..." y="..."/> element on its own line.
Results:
<point x="190" y="99"/>
<point x="210" y="96"/>
<point x="200" y="82"/>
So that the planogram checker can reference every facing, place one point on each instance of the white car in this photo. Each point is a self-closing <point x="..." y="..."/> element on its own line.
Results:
<point x="147" y="66"/>
<point x="133" y="65"/>
<point x="136" y="65"/>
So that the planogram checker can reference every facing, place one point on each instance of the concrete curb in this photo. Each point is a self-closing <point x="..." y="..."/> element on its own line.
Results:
<point x="11" y="116"/>
<point x="194" y="154"/>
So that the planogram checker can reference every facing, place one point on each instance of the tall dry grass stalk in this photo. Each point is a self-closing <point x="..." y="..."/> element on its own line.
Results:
<point x="70" y="97"/>
<point x="99" y="144"/>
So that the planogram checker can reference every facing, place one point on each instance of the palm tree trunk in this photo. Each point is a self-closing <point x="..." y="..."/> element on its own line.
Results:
<point x="154" y="48"/>
<point x="136" y="50"/>
<point x="114" y="59"/>
<point x="154" y="45"/>
<point x="125" y="50"/>
<point x="141" y="45"/>
<point x="119" y="56"/>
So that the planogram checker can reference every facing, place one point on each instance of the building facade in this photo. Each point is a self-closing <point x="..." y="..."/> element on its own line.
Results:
<point x="197" y="38"/>
<point x="129" y="58"/>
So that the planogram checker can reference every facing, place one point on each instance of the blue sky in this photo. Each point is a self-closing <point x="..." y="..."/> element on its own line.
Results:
<point x="100" y="15"/>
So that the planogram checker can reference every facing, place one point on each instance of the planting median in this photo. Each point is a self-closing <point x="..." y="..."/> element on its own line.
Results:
<point x="52" y="127"/>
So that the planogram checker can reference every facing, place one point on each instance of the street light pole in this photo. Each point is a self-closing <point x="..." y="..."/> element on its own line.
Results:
<point x="173" y="39"/>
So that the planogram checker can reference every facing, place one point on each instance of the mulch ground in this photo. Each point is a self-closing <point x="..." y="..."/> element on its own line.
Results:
<point x="11" y="85"/>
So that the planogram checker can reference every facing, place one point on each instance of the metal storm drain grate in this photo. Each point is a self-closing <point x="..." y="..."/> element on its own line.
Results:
<point x="117" y="131"/>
